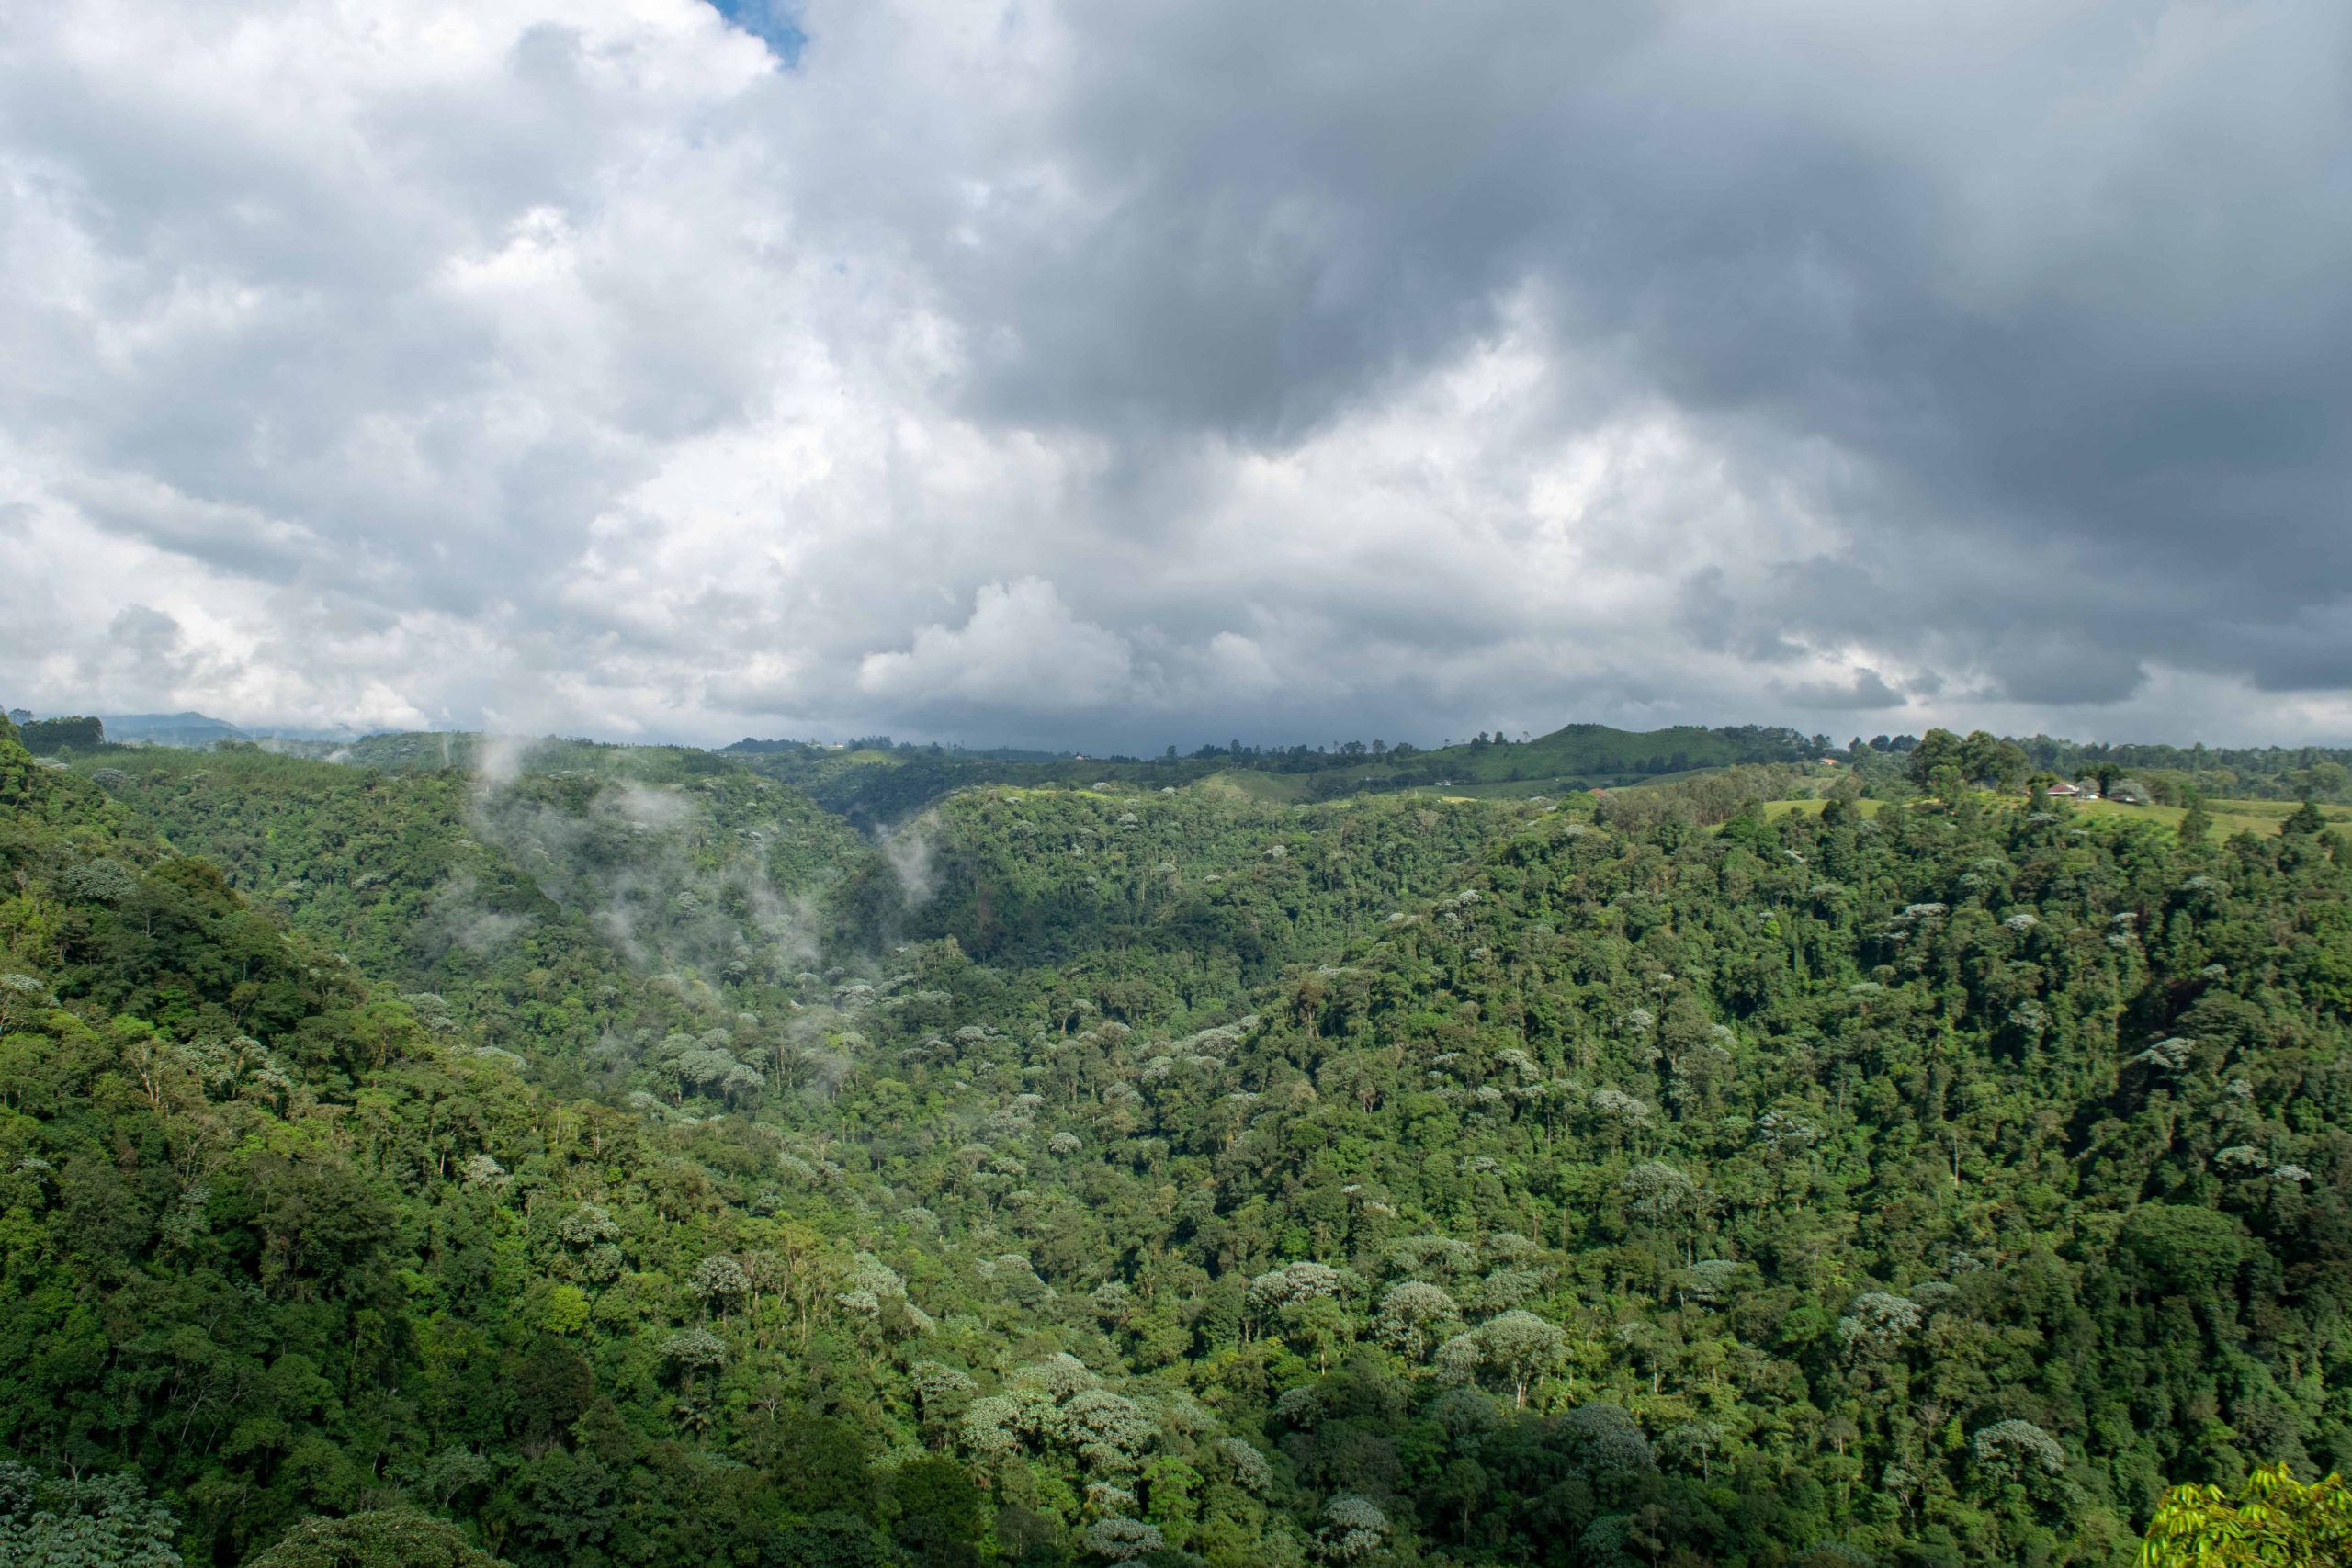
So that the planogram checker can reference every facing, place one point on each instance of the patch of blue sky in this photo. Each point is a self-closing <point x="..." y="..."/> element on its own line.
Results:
<point x="773" y="22"/>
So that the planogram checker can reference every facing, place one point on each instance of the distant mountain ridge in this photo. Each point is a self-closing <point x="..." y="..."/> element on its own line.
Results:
<point x="190" y="728"/>
<point x="876" y="781"/>
<point x="201" y="730"/>
<point x="1596" y="751"/>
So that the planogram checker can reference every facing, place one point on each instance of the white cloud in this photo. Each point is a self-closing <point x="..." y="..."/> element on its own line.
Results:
<point x="1023" y="650"/>
<point x="1029" y="374"/>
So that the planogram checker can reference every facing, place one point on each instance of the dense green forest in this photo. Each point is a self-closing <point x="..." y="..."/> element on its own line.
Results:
<point x="606" y="1156"/>
<point x="2172" y="775"/>
<point x="874" y="781"/>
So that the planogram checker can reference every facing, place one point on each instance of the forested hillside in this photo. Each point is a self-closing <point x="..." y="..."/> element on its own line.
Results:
<point x="874" y="783"/>
<point x="547" y="907"/>
<point x="666" y="1174"/>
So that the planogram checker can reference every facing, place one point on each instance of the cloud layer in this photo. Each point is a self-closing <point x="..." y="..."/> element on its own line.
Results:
<point x="1168" y="372"/>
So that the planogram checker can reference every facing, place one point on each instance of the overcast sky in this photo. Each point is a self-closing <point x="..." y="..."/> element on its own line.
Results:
<point x="1147" y="372"/>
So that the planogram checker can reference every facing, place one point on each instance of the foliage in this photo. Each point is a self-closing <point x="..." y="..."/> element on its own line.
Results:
<point x="2274" y="1521"/>
<point x="1099" y="1173"/>
<point x="49" y="734"/>
<point x="874" y="782"/>
<point x="380" y="1538"/>
<point x="93" y="1521"/>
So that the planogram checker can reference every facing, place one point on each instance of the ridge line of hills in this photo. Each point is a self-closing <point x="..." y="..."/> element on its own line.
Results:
<point x="874" y="782"/>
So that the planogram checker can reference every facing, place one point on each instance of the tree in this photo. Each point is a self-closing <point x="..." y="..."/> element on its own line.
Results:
<point x="935" y="1512"/>
<point x="1517" y="1344"/>
<point x="2305" y="820"/>
<point x="2197" y="823"/>
<point x="2325" y="778"/>
<point x="1988" y="760"/>
<point x="1120" y="1539"/>
<point x="391" y="1537"/>
<point x="2274" y="1522"/>
<point x="825" y="1541"/>
<point x="93" y="1521"/>
<point x="1410" y="1310"/>
<point x="1353" y="1527"/>
<point x="49" y="734"/>
<point x="2010" y="1451"/>
<point x="1937" y="750"/>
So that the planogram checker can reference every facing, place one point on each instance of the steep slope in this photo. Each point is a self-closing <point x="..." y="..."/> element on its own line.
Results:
<point x="527" y="904"/>
<point x="1948" y="1181"/>
<point x="280" y="1246"/>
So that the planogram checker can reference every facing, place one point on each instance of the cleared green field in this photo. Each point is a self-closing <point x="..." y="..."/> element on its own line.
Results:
<point x="1276" y="789"/>
<point x="2261" y="818"/>
<point x="1542" y="789"/>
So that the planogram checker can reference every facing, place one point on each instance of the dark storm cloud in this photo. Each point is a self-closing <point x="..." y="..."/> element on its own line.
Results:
<point x="1866" y="692"/>
<point x="2050" y="273"/>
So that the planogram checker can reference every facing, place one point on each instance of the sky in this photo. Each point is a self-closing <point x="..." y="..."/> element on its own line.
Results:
<point x="1118" y="375"/>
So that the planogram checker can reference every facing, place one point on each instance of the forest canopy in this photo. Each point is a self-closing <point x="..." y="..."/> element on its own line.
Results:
<point x="606" y="1156"/>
